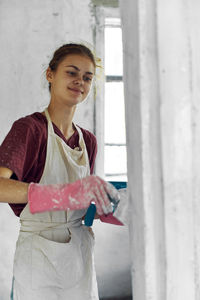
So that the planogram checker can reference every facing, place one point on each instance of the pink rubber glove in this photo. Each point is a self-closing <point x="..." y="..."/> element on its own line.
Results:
<point x="72" y="196"/>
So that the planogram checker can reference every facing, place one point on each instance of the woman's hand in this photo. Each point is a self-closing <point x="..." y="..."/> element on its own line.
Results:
<point x="72" y="196"/>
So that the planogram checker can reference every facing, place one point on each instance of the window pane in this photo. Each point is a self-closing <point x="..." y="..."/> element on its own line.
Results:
<point x="115" y="160"/>
<point x="113" y="51"/>
<point x="114" y="113"/>
<point x="115" y="155"/>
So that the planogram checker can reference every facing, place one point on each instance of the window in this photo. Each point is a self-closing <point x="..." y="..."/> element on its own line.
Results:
<point x="114" y="115"/>
<point x="109" y="117"/>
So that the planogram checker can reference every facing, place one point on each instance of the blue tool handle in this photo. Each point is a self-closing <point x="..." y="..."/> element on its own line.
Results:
<point x="89" y="217"/>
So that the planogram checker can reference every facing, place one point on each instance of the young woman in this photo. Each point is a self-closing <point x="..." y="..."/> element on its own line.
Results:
<point x="46" y="162"/>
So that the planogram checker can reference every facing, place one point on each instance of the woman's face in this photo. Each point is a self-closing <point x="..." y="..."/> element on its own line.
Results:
<point x="71" y="82"/>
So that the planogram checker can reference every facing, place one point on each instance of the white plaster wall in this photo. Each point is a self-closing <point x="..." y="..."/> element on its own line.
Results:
<point x="161" y="67"/>
<point x="112" y="258"/>
<point x="176" y="82"/>
<point x="143" y="149"/>
<point x="193" y="18"/>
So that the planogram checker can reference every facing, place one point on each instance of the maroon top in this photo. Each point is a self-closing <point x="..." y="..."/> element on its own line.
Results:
<point x="24" y="149"/>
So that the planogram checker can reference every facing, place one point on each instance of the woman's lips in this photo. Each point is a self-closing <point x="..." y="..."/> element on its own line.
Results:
<point x="77" y="91"/>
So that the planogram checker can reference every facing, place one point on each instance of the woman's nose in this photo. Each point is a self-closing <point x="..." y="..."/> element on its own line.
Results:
<point x="79" y="80"/>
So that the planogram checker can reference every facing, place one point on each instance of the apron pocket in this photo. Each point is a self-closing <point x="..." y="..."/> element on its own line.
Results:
<point x="56" y="264"/>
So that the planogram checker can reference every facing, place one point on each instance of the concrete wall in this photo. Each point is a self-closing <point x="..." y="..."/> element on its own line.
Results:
<point x="161" y="69"/>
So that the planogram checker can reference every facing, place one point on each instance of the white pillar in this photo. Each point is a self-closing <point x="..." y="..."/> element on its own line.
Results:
<point x="193" y="17"/>
<point x="175" y="73"/>
<point x="161" y="73"/>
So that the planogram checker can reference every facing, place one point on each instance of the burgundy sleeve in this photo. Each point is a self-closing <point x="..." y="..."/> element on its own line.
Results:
<point x="18" y="149"/>
<point x="18" y="153"/>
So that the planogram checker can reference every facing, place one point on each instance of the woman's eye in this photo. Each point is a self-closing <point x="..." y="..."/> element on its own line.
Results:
<point x="87" y="79"/>
<point x="71" y="73"/>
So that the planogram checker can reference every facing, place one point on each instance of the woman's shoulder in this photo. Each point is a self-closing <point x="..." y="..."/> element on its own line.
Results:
<point x="34" y="120"/>
<point x="35" y="124"/>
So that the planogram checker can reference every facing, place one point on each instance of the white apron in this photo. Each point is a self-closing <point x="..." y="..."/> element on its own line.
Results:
<point x="54" y="252"/>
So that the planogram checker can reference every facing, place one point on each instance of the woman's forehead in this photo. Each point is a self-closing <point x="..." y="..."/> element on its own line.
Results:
<point x="82" y="62"/>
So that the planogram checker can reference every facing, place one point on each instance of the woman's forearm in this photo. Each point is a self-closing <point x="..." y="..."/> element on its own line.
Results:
<point x="13" y="191"/>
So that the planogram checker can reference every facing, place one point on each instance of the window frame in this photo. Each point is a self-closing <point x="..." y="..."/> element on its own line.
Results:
<point x="101" y="13"/>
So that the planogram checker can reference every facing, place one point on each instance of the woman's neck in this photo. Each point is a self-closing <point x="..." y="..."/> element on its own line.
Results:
<point x="62" y="117"/>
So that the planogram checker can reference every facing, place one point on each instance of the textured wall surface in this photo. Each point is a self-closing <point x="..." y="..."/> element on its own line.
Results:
<point x="161" y="67"/>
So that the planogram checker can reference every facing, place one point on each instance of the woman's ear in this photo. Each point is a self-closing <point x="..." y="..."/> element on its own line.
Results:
<point x="49" y="74"/>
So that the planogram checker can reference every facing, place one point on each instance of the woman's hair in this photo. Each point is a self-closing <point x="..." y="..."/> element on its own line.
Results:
<point x="69" y="49"/>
